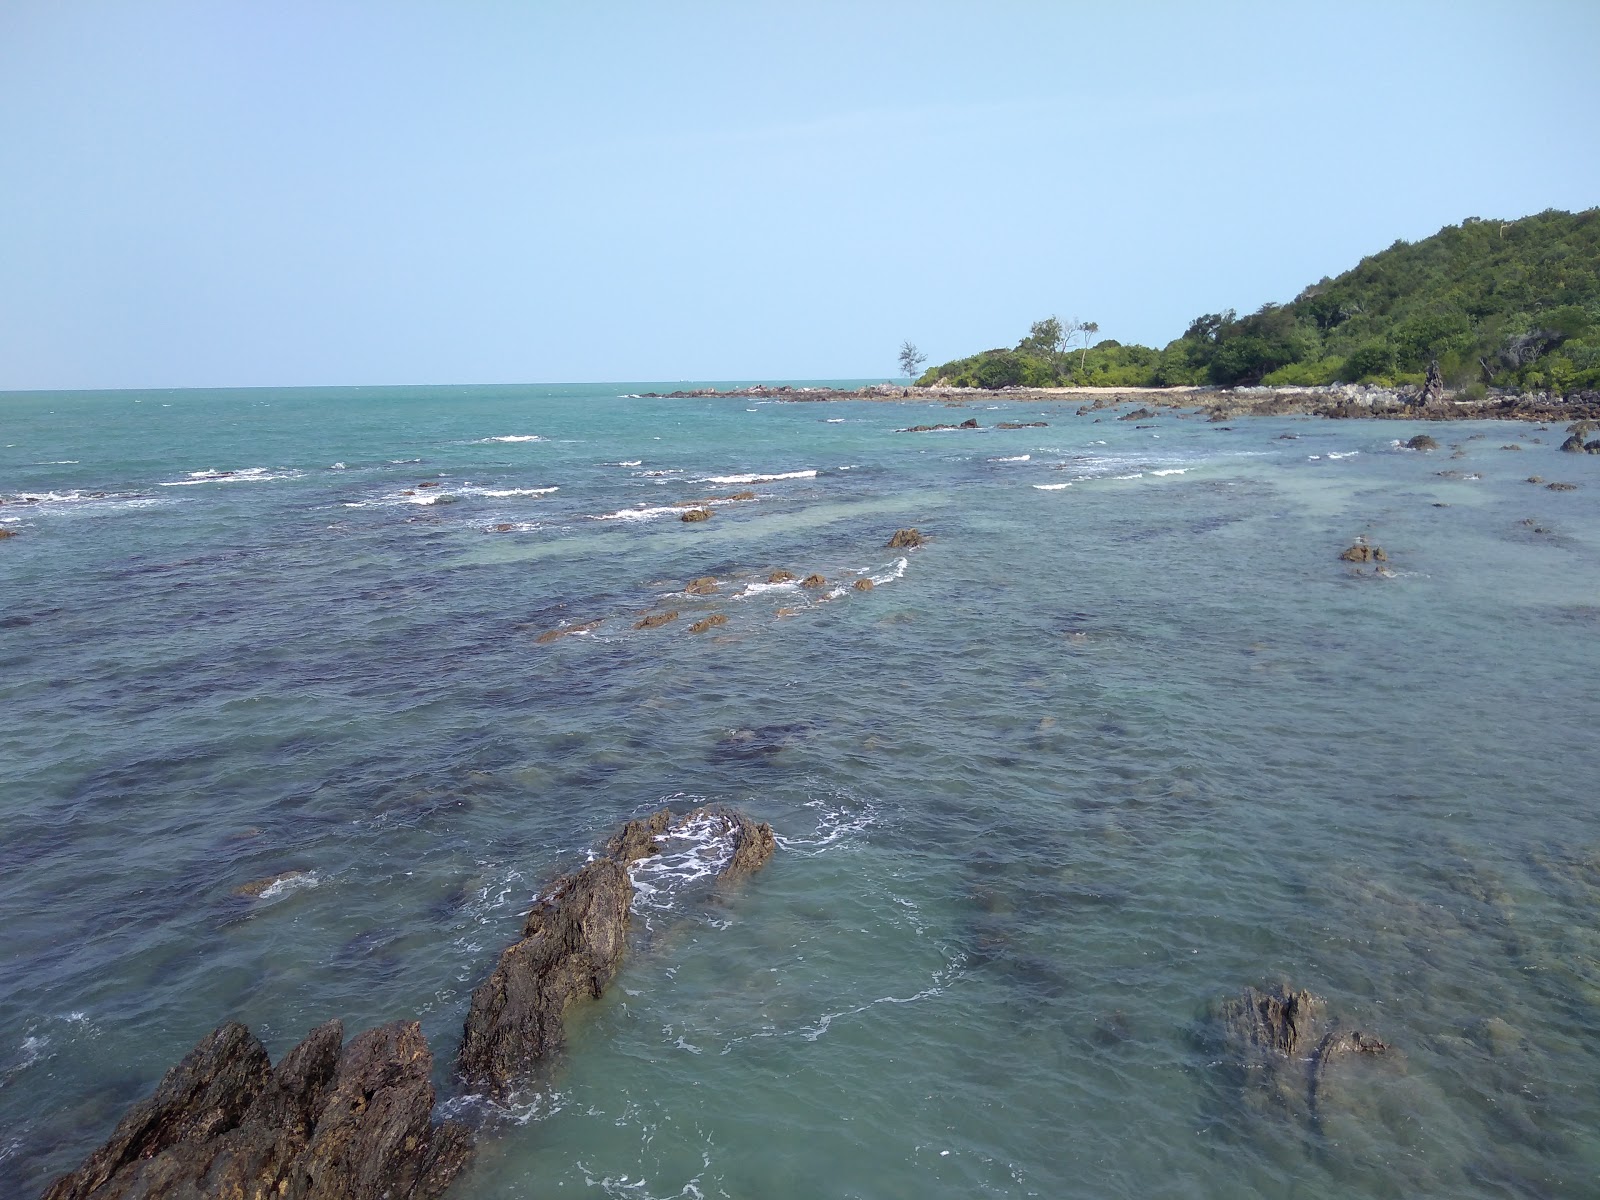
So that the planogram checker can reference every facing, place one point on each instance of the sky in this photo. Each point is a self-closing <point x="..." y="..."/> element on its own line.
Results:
<point x="216" y="193"/>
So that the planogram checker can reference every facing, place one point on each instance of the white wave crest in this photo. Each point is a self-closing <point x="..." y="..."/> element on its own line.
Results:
<point x="1050" y="487"/>
<point x="760" y="478"/>
<point x="243" y="475"/>
<point x="512" y="437"/>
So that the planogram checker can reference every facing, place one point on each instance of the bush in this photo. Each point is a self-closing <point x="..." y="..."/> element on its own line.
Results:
<point x="1370" y="362"/>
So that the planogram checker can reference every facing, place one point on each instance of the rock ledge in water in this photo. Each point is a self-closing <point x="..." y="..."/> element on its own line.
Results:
<point x="324" y="1124"/>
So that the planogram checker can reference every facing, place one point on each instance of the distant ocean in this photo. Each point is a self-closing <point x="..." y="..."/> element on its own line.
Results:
<point x="1124" y="737"/>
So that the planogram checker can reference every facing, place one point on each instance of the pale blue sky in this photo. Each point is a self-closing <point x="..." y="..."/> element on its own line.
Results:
<point x="214" y="193"/>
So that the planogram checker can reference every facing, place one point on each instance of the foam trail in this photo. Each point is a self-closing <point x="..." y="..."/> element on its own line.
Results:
<point x="760" y="478"/>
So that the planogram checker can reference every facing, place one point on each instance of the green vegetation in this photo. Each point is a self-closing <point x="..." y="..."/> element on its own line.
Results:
<point x="1512" y="304"/>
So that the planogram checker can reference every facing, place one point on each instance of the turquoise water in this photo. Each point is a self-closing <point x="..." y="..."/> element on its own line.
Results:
<point x="1093" y="759"/>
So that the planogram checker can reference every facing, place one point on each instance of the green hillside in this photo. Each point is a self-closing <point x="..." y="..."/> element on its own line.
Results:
<point x="1501" y="303"/>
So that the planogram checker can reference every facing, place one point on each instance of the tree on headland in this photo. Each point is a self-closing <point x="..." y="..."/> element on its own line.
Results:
<point x="910" y="359"/>
<point x="1045" y="337"/>
<point x="1086" y="329"/>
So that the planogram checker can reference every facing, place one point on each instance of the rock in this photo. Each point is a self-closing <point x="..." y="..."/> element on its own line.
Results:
<point x="1511" y="446"/>
<point x="6" y="533"/>
<point x="553" y="635"/>
<point x="571" y="945"/>
<point x="1535" y="478"/>
<point x="1432" y="394"/>
<point x="1361" y="552"/>
<point x="789" y="612"/>
<point x="711" y="622"/>
<point x="696" y="514"/>
<point x="706" y="585"/>
<point x="753" y="846"/>
<point x="323" y="1125"/>
<point x="1281" y="1048"/>
<point x="656" y="620"/>
<point x="782" y="576"/>
<point x="430" y="483"/>
<point x="1023" y="425"/>
<point x="1139" y="414"/>
<point x="1562" y="487"/>
<point x="1573" y="445"/>
<point x="1498" y="1037"/>
<point x="256" y="887"/>
<point x="906" y="539"/>
<point x="636" y="839"/>
<point x="863" y="585"/>
<point x="813" y="581"/>
<point x="504" y="527"/>
<point x="1422" y="442"/>
<point x="969" y="423"/>
<point x="1288" y="437"/>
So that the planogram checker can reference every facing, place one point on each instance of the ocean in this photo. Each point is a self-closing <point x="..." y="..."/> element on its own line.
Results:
<point x="280" y="741"/>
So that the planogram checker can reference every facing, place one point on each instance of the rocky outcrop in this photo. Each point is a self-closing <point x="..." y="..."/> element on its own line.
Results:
<point x="813" y="581"/>
<point x="696" y="514"/>
<point x="1432" y="393"/>
<point x="325" y="1124"/>
<point x="1362" y="552"/>
<point x="1138" y="414"/>
<point x="571" y="945"/>
<point x="656" y="620"/>
<point x="555" y="635"/>
<point x="706" y="585"/>
<point x="782" y="576"/>
<point x="709" y="622"/>
<point x="1422" y="442"/>
<point x="906" y="539"/>
<point x="864" y="585"/>
<point x="1282" y="1048"/>
<point x="1562" y="487"/>
<point x="1022" y="425"/>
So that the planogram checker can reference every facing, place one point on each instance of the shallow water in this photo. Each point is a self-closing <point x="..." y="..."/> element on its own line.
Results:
<point x="1093" y="759"/>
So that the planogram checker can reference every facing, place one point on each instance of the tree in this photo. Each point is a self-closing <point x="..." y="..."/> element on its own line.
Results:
<point x="1087" y="329"/>
<point x="910" y="359"/>
<point x="1044" y="337"/>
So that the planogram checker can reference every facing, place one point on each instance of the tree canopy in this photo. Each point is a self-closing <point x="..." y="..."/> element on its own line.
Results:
<point x="1508" y="303"/>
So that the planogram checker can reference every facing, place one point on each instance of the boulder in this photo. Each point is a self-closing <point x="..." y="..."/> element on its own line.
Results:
<point x="571" y="945"/>
<point x="706" y="585"/>
<point x="325" y="1124"/>
<point x="753" y="846"/>
<point x="1138" y="414"/>
<point x="1535" y="478"/>
<point x="6" y="533"/>
<point x="906" y="539"/>
<point x="710" y="622"/>
<point x="1574" y="444"/>
<point x="782" y="576"/>
<point x="656" y="620"/>
<point x="1361" y="552"/>
<point x="430" y="483"/>
<point x="863" y="585"/>
<point x="1562" y="487"/>
<point x="504" y="527"/>
<point x="1422" y="442"/>
<point x="969" y="423"/>
<point x="696" y="514"/>
<point x="1511" y="446"/>
<point x="813" y="581"/>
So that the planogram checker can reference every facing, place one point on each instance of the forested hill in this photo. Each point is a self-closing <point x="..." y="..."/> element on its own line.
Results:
<point x="1498" y="303"/>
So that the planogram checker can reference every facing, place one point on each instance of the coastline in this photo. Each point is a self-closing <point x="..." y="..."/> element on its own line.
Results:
<point x="1350" y="401"/>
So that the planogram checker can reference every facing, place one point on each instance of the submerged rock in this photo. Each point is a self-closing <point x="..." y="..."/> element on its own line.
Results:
<point x="1562" y="487"/>
<point x="325" y="1124"/>
<point x="1023" y="425"/>
<point x="6" y="533"/>
<point x="656" y="620"/>
<point x="710" y="622"/>
<point x="906" y="539"/>
<point x="554" y="635"/>
<point x="258" y="887"/>
<point x="1281" y="1046"/>
<point x="1422" y="442"/>
<point x="706" y="585"/>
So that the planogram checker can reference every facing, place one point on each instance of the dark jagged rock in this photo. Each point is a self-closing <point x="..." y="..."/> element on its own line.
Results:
<point x="1432" y="393"/>
<point x="753" y="846"/>
<point x="696" y="514"/>
<point x="323" y="1125"/>
<point x="1362" y="552"/>
<point x="709" y="622"/>
<point x="1562" y="487"/>
<point x="1281" y="1046"/>
<point x="637" y="839"/>
<point x="906" y="539"/>
<point x="1422" y="442"/>
<point x="1138" y="414"/>
<point x="969" y="423"/>
<point x="813" y="581"/>
<point x="571" y="945"/>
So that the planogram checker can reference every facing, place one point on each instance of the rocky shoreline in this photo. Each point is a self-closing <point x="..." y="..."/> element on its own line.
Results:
<point x="1339" y="401"/>
<point x="354" y="1121"/>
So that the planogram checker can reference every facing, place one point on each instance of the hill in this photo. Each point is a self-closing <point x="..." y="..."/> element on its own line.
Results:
<point x="1512" y="304"/>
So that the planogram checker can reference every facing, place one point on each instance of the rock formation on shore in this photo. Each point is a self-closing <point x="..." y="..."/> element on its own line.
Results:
<point x="325" y="1124"/>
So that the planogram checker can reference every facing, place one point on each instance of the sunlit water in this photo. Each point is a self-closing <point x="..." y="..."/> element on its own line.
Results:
<point x="1122" y="738"/>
